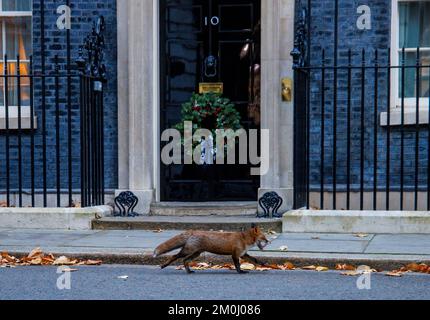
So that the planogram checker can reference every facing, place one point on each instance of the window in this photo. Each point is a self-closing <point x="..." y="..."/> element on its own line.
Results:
<point x="411" y="30"/>
<point x="15" y="39"/>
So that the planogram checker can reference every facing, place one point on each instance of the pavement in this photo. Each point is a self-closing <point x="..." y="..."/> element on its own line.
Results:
<point x="382" y="251"/>
<point x="150" y="283"/>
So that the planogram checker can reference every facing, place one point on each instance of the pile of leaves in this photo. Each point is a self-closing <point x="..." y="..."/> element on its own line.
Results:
<point x="38" y="258"/>
<point x="244" y="266"/>
<point x="413" y="267"/>
<point x="346" y="270"/>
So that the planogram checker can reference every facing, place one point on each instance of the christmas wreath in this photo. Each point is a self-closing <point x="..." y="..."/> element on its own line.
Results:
<point x="210" y="111"/>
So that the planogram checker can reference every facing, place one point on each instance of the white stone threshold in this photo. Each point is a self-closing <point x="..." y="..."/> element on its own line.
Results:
<point x="52" y="218"/>
<point x="387" y="222"/>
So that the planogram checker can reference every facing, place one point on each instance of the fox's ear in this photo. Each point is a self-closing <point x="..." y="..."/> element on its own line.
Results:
<point x="253" y="226"/>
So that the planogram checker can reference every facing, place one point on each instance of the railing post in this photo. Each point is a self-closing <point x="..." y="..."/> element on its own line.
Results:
<point x="301" y="105"/>
<point x="93" y="78"/>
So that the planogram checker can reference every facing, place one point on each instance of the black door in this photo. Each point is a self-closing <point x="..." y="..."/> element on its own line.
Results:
<point x="192" y="31"/>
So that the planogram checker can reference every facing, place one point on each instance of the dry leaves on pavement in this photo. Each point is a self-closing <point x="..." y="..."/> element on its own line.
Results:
<point x="413" y="267"/>
<point x="345" y="267"/>
<point x="418" y="268"/>
<point x="361" y="235"/>
<point x="397" y="274"/>
<point x="244" y="266"/>
<point x="38" y="258"/>
<point x="347" y="270"/>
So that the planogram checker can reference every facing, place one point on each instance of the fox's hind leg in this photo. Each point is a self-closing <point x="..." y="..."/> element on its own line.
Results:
<point x="189" y="259"/>
<point x="180" y="255"/>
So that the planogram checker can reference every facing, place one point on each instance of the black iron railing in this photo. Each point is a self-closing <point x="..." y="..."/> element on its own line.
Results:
<point x="359" y="126"/>
<point x="52" y="134"/>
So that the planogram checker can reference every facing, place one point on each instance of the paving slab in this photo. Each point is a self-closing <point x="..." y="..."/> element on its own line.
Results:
<point x="331" y="236"/>
<point x="40" y="238"/>
<point x="317" y="245"/>
<point x="406" y="244"/>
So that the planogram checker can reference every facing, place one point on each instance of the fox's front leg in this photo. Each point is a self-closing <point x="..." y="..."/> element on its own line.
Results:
<point x="253" y="260"/>
<point x="236" y="261"/>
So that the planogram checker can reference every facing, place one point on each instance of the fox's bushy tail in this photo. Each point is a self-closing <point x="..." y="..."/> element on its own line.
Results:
<point x="172" y="244"/>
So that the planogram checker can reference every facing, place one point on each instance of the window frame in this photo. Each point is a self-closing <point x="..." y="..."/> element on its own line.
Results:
<point x="396" y="52"/>
<point x="26" y="117"/>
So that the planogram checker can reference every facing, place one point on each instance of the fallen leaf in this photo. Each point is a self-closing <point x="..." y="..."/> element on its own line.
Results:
<point x="345" y="267"/>
<point x="321" y="269"/>
<point x="63" y="261"/>
<point x="76" y="204"/>
<point x="424" y="268"/>
<point x="414" y="267"/>
<point x="35" y="253"/>
<point x="93" y="262"/>
<point x="394" y="274"/>
<point x="5" y="256"/>
<point x="288" y="266"/>
<point x="361" y="235"/>
<point x="36" y="262"/>
<point x="263" y="269"/>
<point x="351" y="273"/>
<point x="309" y="268"/>
<point x="8" y="266"/>
<point x="272" y="233"/>
<point x="247" y="267"/>
<point x="365" y="270"/>
<point x="202" y="266"/>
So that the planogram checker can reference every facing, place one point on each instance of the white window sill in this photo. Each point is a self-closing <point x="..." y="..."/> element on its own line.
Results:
<point x="26" y="118"/>
<point x="409" y="119"/>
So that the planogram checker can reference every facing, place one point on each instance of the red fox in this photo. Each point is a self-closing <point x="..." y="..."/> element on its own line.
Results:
<point x="194" y="243"/>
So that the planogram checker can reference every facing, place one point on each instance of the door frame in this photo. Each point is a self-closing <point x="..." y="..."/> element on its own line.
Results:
<point x="138" y="25"/>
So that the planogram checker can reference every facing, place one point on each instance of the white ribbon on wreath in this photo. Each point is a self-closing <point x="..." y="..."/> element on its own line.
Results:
<point x="208" y="151"/>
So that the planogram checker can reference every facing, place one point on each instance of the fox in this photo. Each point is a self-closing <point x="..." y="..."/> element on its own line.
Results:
<point x="194" y="243"/>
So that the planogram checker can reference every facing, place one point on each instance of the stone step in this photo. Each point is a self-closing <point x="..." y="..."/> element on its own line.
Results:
<point x="185" y="223"/>
<point x="369" y="222"/>
<point x="223" y="209"/>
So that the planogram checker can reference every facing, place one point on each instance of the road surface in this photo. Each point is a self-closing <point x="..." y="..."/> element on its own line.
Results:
<point x="143" y="283"/>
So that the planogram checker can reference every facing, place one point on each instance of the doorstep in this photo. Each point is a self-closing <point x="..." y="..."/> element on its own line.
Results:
<point x="385" y="222"/>
<point x="186" y="223"/>
<point x="223" y="209"/>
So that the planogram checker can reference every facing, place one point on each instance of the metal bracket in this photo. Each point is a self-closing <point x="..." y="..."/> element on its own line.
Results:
<point x="271" y="202"/>
<point x="126" y="203"/>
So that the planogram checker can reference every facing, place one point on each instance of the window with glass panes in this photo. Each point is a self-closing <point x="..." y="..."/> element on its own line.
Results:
<point x="15" y="40"/>
<point x="414" y="33"/>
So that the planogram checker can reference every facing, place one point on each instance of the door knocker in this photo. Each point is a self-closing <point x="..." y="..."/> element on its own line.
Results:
<point x="210" y="67"/>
